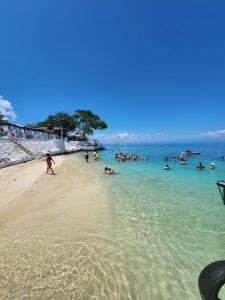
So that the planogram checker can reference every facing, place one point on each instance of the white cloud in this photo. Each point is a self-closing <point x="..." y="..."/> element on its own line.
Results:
<point x="127" y="137"/>
<point x="215" y="133"/>
<point x="124" y="135"/>
<point x="7" y="110"/>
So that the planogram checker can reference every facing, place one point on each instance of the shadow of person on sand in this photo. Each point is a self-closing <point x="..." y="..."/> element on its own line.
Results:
<point x="52" y="174"/>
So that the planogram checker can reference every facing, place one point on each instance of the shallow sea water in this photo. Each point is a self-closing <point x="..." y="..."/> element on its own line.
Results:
<point x="169" y="224"/>
<point x="148" y="239"/>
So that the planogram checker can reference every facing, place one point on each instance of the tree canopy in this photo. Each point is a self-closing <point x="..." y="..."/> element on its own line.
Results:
<point x="86" y="122"/>
<point x="82" y="122"/>
<point x="59" y="119"/>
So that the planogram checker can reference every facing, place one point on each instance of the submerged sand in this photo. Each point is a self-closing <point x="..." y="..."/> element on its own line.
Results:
<point x="81" y="235"/>
<point x="50" y="228"/>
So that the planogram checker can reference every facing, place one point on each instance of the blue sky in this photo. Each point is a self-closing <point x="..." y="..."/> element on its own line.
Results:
<point x="154" y="70"/>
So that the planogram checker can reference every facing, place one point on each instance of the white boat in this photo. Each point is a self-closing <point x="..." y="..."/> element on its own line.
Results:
<point x="189" y="152"/>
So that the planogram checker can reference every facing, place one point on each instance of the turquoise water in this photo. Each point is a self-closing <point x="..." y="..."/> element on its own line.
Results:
<point x="167" y="225"/>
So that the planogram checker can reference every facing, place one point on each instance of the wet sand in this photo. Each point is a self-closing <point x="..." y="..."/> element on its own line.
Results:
<point x="48" y="230"/>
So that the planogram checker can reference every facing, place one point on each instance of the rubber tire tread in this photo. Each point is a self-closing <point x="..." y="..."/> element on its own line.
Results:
<point x="211" y="279"/>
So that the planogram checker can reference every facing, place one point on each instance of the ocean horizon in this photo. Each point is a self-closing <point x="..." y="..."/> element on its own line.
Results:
<point x="183" y="143"/>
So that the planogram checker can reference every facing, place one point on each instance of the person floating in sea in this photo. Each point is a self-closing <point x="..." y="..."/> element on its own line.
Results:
<point x="110" y="171"/>
<point x="49" y="161"/>
<point x="200" y="166"/>
<point x="86" y="156"/>
<point x="212" y="166"/>
<point x="167" y="167"/>
<point x="183" y="161"/>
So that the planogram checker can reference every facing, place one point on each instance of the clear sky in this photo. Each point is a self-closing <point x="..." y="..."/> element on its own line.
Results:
<point x="150" y="69"/>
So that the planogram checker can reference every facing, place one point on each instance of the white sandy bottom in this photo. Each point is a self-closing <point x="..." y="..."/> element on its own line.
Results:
<point x="56" y="241"/>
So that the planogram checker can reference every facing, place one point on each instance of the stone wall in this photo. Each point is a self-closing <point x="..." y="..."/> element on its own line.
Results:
<point x="43" y="147"/>
<point x="12" y="153"/>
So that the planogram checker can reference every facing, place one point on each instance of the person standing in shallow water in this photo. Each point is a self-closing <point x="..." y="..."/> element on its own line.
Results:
<point x="97" y="156"/>
<point x="86" y="156"/>
<point x="49" y="161"/>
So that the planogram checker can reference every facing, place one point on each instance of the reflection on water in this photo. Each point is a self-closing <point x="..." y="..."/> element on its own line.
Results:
<point x="150" y="240"/>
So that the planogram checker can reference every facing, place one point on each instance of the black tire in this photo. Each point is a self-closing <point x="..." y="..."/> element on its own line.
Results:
<point x="211" y="279"/>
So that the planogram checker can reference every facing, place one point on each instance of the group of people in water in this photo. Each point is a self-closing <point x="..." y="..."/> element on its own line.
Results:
<point x="126" y="156"/>
<point x="172" y="158"/>
<point x="182" y="160"/>
<point x="96" y="156"/>
<point x="199" y="166"/>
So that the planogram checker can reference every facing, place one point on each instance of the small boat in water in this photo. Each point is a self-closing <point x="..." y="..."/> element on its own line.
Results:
<point x="189" y="152"/>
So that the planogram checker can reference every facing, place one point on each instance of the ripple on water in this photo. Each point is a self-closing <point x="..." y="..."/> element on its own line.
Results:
<point x="159" y="233"/>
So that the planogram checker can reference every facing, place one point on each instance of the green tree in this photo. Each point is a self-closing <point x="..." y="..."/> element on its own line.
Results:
<point x="82" y="122"/>
<point x="86" y="122"/>
<point x="57" y="120"/>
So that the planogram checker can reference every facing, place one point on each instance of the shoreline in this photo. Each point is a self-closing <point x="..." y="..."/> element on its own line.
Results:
<point x="55" y="222"/>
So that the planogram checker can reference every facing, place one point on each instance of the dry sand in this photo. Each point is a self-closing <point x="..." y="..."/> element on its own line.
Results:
<point x="17" y="179"/>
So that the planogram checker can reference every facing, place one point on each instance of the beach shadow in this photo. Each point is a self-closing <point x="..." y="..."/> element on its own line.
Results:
<point x="51" y="174"/>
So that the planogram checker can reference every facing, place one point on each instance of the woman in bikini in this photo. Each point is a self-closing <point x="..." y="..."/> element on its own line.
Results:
<point x="49" y="161"/>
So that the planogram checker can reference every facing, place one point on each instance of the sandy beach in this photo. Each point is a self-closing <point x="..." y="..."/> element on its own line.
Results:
<point x="17" y="179"/>
<point x="48" y="227"/>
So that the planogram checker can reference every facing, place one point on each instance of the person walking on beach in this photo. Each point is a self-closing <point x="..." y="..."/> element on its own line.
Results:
<point x="86" y="156"/>
<point x="49" y="161"/>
